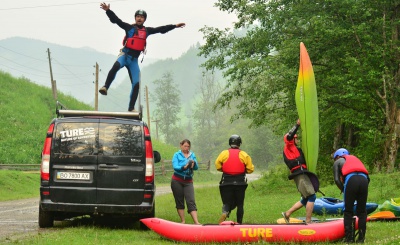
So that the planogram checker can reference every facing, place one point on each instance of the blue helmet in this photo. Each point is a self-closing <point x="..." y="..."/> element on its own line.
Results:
<point x="340" y="152"/>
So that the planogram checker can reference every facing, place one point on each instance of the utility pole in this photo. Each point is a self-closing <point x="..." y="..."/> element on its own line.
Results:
<point x="96" y="88"/>
<point x="53" y="82"/>
<point x="156" y="121"/>
<point x="147" y="106"/>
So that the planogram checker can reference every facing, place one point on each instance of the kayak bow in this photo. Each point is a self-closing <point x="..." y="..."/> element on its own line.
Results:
<point x="307" y="108"/>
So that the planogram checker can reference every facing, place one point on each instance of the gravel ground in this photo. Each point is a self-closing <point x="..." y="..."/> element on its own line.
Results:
<point x="19" y="218"/>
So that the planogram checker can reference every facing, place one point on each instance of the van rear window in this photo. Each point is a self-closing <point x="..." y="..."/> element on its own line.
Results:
<point x="93" y="138"/>
<point x="121" y="140"/>
<point x="76" y="138"/>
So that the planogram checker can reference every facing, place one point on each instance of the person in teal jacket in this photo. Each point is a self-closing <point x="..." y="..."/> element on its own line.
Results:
<point x="184" y="162"/>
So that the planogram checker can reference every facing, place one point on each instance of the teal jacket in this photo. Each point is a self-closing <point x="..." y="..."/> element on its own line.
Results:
<point x="178" y="163"/>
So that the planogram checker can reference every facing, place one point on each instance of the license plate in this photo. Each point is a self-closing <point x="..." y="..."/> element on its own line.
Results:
<point x="73" y="176"/>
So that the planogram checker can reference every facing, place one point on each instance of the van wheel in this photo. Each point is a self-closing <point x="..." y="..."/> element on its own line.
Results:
<point x="151" y="215"/>
<point x="46" y="218"/>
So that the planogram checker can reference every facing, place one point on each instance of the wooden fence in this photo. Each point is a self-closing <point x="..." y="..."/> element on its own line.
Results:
<point x="21" y="166"/>
<point x="162" y="168"/>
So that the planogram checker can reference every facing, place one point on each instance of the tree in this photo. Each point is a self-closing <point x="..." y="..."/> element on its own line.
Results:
<point x="213" y="128"/>
<point x="353" y="46"/>
<point x="167" y="107"/>
<point x="206" y="122"/>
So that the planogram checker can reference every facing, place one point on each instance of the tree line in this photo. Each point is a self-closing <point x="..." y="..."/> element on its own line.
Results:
<point x="354" y="48"/>
<point x="208" y="127"/>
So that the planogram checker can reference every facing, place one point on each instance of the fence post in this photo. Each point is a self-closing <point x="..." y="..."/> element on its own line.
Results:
<point x="162" y="168"/>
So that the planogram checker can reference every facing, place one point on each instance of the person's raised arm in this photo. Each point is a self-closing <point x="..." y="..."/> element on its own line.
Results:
<point x="105" y="6"/>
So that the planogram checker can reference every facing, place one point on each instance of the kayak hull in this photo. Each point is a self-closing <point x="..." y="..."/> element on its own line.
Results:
<point x="331" y="205"/>
<point x="307" y="108"/>
<point x="393" y="205"/>
<point x="232" y="232"/>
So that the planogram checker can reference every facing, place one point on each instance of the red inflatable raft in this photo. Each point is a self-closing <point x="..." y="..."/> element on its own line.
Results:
<point x="229" y="231"/>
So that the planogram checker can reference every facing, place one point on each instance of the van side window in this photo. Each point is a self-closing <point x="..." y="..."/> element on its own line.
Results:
<point x="121" y="140"/>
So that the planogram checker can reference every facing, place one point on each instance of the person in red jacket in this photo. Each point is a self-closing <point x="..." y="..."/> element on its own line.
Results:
<point x="352" y="178"/>
<point x="134" y="44"/>
<point x="234" y="165"/>
<point x="296" y="162"/>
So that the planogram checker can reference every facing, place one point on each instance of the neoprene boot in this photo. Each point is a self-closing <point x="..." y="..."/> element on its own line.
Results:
<point x="349" y="232"/>
<point x="361" y="236"/>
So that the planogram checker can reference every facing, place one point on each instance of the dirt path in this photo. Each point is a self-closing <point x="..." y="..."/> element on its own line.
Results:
<point x="19" y="218"/>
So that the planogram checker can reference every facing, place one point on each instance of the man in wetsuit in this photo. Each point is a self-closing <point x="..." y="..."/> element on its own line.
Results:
<point x="352" y="178"/>
<point x="134" y="44"/>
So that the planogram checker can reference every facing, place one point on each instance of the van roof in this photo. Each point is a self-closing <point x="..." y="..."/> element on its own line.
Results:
<point x="81" y="113"/>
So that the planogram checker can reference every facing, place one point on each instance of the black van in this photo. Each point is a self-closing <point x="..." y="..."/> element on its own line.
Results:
<point x="97" y="163"/>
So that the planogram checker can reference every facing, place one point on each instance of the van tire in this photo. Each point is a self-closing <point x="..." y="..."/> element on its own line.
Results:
<point x="46" y="218"/>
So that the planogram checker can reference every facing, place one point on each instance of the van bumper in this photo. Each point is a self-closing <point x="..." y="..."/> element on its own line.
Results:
<point x="96" y="209"/>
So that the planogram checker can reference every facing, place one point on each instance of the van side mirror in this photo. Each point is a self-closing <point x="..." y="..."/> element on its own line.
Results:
<point x="157" y="156"/>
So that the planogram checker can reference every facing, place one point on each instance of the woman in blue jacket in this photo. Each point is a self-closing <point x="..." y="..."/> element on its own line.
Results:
<point x="184" y="163"/>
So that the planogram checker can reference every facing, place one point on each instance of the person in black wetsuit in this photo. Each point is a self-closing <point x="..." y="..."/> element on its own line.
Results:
<point x="352" y="178"/>
<point x="134" y="44"/>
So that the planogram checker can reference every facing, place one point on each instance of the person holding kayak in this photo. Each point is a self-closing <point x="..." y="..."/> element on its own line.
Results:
<point x="296" y="162"/>
<point x="234" y="165"/>
<point x="351" y="177"/>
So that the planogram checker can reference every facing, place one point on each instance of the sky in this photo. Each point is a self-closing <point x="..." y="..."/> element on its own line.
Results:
<point x="82" y="23"/>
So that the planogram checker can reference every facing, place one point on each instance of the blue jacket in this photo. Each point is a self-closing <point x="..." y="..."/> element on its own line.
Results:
<point x="178" y="163"/>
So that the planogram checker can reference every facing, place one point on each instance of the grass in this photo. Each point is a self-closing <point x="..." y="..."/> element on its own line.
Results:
<point x="18" y="185"/>
<point x="265" y="199"/>
<point x="26" y="111"/>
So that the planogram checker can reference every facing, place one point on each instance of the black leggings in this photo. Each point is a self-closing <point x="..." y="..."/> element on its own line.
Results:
<point x="233" y="196"/>
<point x="356" y="189"/>
<point x="135" y="91"/>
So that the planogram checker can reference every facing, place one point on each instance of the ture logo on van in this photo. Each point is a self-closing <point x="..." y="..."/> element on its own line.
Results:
<point x="77" y="134"/>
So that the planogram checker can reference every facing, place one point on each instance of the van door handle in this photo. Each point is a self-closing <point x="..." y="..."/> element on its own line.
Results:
<point x="108" y="166"/>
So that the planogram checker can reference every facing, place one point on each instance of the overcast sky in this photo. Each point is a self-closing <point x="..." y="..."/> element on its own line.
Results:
<point x="83" y="23"/>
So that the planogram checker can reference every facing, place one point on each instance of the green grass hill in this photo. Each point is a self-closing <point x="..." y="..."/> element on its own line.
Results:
<point x="26" y="111"/>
